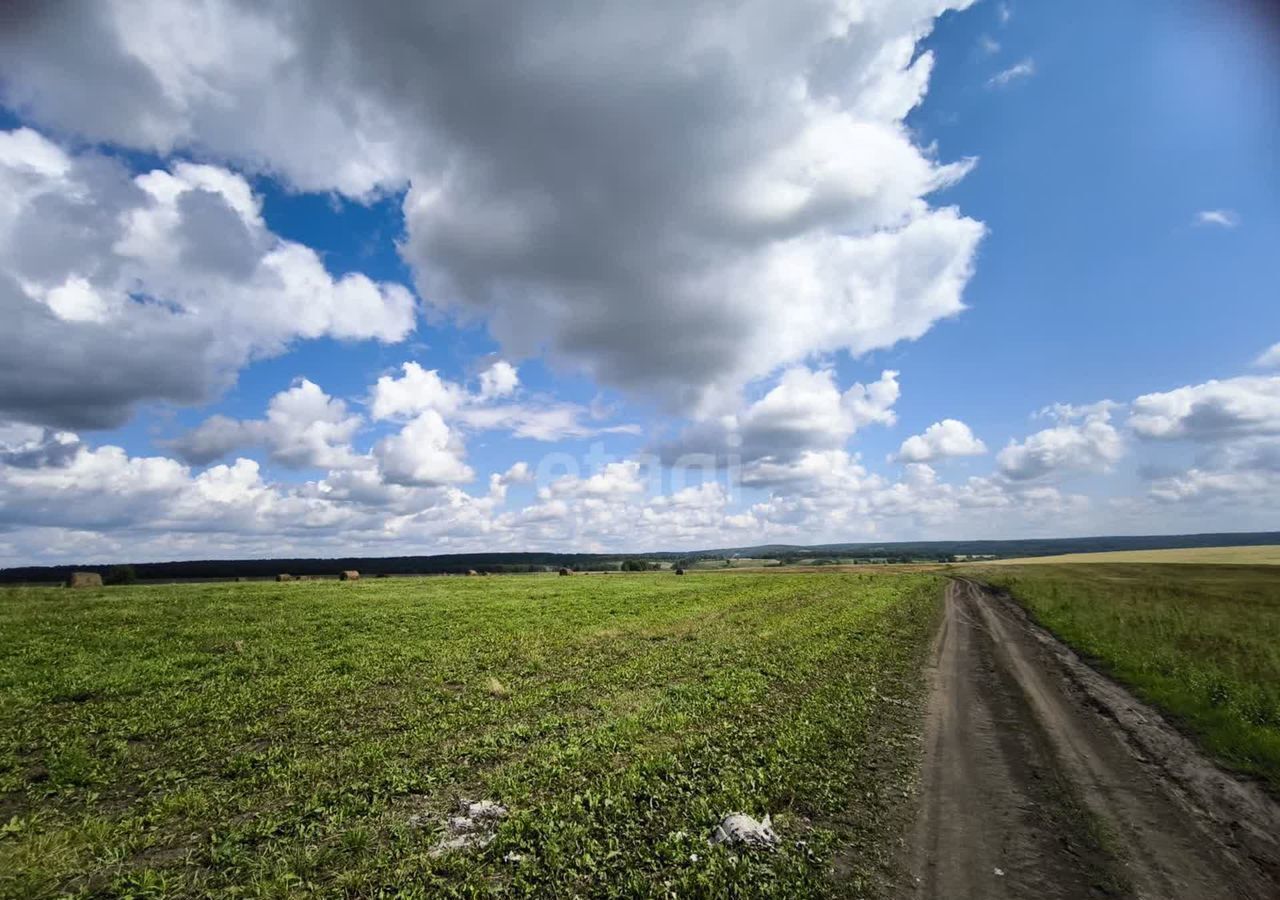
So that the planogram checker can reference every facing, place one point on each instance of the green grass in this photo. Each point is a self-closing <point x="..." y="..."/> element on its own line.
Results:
<point x="264" y="740"/>
<point x="1201" y="643"/>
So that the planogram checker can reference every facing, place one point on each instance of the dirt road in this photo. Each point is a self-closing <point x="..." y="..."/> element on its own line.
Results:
<point x="1042" y="779"/>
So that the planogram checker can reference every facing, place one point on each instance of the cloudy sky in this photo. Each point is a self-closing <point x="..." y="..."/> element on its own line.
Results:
<point x="322" y="278"/>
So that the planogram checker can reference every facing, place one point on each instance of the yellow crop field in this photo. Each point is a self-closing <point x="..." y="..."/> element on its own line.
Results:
<point x="1252" y="556"/>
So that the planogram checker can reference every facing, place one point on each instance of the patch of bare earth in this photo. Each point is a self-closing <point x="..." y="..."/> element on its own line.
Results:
<point x="1042" y="778"/>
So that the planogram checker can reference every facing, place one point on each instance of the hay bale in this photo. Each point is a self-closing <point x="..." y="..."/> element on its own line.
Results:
<point x="84" y="580"/>
<point x="284" y="577"/>
<point x="471" y="573"/>
<point x="565" y="572"/>
<point x="240" y="578"/>
<point x="349" y="575"/>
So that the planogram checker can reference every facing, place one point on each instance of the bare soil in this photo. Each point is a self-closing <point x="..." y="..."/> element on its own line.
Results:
<point x="1042" y="778"/>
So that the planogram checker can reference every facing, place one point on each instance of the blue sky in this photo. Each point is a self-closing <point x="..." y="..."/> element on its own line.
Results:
<point x="1095" y="280"/>
<point x="657" y="280"/>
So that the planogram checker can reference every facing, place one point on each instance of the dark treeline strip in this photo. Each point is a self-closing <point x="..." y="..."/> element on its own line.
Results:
<point x="496" y="563"/>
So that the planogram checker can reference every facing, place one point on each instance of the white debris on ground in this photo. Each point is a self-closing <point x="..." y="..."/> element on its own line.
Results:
<point x="472" y="828"/>
<point x="741" y="829"/>
<point x="483" y="810"/>
<point x="887" y="699"/>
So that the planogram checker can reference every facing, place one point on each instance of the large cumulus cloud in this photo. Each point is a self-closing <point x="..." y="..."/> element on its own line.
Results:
<point x="118" y="288"/>
<point x="950" y="437"/>
<point x="1084" y="440"/>
<point x="1213" y="411"/>
<point x="676" y="198"/>
<point x="804" y="411"/>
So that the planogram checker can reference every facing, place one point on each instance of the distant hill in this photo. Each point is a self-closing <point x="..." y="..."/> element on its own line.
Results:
<point x="457" y="563"/>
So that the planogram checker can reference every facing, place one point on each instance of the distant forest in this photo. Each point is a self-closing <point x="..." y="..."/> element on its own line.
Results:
<point x="506" y="563"/>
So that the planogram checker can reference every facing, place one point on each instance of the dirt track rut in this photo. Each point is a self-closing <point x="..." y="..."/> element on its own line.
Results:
<point x="1043" y="779"/>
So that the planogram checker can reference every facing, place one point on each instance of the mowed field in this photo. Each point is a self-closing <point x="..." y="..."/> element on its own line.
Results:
<point x="262" y="739"/>
<point x="1200" y="642"/>
<point x="1266" y="555"/>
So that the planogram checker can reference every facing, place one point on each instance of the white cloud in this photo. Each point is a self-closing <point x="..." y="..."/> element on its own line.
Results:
<point x="703" y="209"/>
<point x="1200" y="485"/>
<point x="805" y="410"/>
<point x="425" y="452"/>
<point x="1221" y="218"/>
<point x="105" y="489"/>
<point x="950" y="437"/>
<point x="76" y="300"/>
<point x="60" y="499"/>
<point x="542" y="421"/>
<point x="30" y="447"/>
<point x="158" y="287"/>
<point x="1017" y="72"/>
<point x="1212" y="411"/>
<point x="499" y="380"/>
<point x="1269" y="358"/>
<point x="988" y="45"/>
<point x="220" y="78"/>
<point x="672" y="201"/>
<point x="827" y="473"/>
<point x="103" y="504"/>
<point x="418" y="390"/>
<point x="831" y="495"/>
<point x="1235" y="425"/>
<point x="415" y="391"/>
<point x="304" y="428"/>
<point x="1083" y="441"/>
<point x="1232" y="484"/>
<point x="518" y="473"/>
<point x="1250" y="454"/>
<point x="617" y="479"/>
<point x="121" y="506"/>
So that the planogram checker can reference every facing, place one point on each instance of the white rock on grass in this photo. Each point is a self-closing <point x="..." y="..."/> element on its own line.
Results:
<point x="474" y="840"/>
<point x="483" y="810"/>
<point x="473" y="828"/>
<point x="739" y="829"/>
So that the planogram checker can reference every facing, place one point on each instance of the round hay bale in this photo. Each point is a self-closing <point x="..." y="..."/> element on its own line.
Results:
<point x="472" y="573"/>
<point x="349" y="575"/>
<point x="84" y="580"/>
<point x="564" y="571"/>
<point x="284" y="577"/>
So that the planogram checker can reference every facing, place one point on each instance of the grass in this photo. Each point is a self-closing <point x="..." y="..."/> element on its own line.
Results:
<point x="1202" y="643"/>
<point x="1263" y="555"/>
<point x="273" y="740"/>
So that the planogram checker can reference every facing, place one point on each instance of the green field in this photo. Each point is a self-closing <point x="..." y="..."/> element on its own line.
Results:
<point x="1200" y="642"/>
<point x="260" y="739"/>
